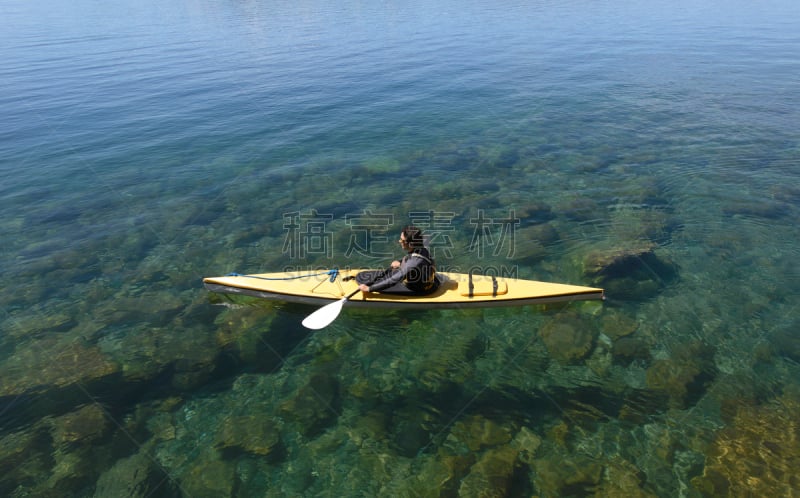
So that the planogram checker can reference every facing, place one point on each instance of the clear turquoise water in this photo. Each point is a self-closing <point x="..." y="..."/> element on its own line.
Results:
<point x="145" y="145"/>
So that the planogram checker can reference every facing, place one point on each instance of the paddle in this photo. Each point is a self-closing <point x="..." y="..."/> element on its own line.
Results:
<point x="327" y="314"/>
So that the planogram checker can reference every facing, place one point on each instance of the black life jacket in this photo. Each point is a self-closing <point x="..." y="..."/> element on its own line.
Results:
<point x="421" y="278"/>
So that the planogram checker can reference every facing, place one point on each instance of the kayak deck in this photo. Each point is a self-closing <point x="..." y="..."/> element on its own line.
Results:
<point x="455" y="290"/>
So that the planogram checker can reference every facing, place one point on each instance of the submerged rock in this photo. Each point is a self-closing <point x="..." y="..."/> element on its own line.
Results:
<point x="413" y="430"/>
<point x="757" y="454"/>
<point x="607" y="263"/>
<point x="626" y="350"/>
<point x="685" y="376"/>
<point x="624" y="480"/>
<point x="241" y="334"/>
<point x="770" y="209"/>
<point x="315" y="405"/>
<point x="56" y="456"/>
<point x="567" y="476"/>
<point x="582" y="209"/>
<point x="137" y="304"/>
<point x="40" y="323"/>
<point x="52" y="376"/>
<point x="257" y="435"/>
<point x="85" y="425"/>
<point x="534" y="212"/>
<point x="477" y="432"/>
<point x="527" y="442"/>
<point x="440" y="476"/>
<point x="786" y="341"/>
<point x="616" y="324"/>
<point x="133" y="477"/>
<point x="209" y="478"/>
<point x="50" y="364"/>
<point x="633" y="272"/>
<point x="633" y="223"/>
<point x="674" y="378"/>
<point x="492" y="475"/>
<point x="24" y="459"/>
<point x="568" y="338"/>
<point x="152" y="351"/>
<point x="529" y="244"/>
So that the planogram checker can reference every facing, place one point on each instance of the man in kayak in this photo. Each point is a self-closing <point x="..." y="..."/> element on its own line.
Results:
<point x="414" y="274"/>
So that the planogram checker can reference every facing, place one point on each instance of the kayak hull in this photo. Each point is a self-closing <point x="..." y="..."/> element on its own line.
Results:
<point x="456" y="290"/>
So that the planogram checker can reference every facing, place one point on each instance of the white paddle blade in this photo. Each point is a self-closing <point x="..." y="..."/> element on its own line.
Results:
<point x="324" y="316"/>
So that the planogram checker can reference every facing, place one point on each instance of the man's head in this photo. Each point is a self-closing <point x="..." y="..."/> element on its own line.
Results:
<point x="412" y="236"/>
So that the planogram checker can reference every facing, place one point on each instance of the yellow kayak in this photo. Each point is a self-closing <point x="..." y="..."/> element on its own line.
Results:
<point x="455" y="290"/>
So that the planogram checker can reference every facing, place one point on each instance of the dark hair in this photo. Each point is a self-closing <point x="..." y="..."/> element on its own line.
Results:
<point x="413" y="236"/>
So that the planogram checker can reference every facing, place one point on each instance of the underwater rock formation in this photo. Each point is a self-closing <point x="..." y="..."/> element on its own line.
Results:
<point x="534" y="212"/>
<point x="625" y="346"/>
<point x="767" y="209"/>
<point x="786" y="341"/>
<point x="136" y="476"/>
<point x="633" y="272"/>
<point x="85" y="425"/>
<point x="50" y="376"/>
<point x="573" y="475"/>
<point x="209" y="477"/>
<point x="626" y="350"/>
<point x="622" y="480"/>
<point x="530" y="243"/>
<point x="412" y="429"/>
<point x="256" y="435"/>
<point x="23" y="460"/>
<point x="757" y="454"/>
<point x="478" y="432"/>
<point x="56" y="455"/>
<point x="314" y="406"/>
<point x="616" y="324"/>
<point x="49" y="364"/>
<point x="685" y="376"/>
<point x="568" y="337"/>
<point x="491" y="476"/>
<point x="582" y="209"/>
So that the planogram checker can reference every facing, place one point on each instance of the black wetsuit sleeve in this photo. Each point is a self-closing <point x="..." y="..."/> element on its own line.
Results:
<point x="408" y="265"/>
<point x="389" y="280"/>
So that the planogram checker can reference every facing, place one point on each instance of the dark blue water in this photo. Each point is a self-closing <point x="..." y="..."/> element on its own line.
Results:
<point x="650" y="149"/>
